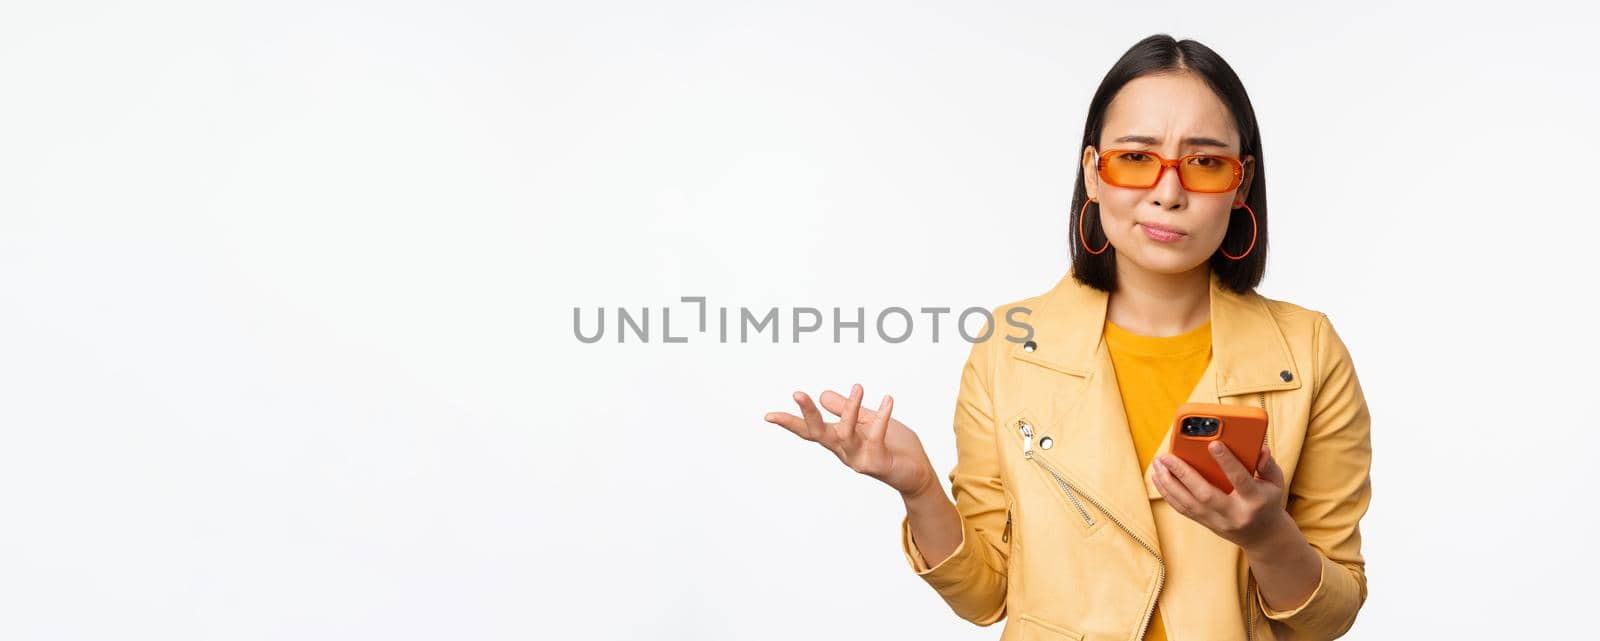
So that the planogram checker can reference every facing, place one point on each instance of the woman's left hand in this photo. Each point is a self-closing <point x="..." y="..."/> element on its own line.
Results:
<point x="1251" y="515"/>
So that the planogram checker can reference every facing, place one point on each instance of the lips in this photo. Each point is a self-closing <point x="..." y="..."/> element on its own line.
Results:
<point x="1162" y="233"/>
<point x="1164" y="227"/>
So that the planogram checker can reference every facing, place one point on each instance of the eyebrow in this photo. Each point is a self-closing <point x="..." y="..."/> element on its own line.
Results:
<point x="1193" y="141"/>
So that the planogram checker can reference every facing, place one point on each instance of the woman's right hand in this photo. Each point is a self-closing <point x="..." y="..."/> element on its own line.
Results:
<point x="870" y="442"/>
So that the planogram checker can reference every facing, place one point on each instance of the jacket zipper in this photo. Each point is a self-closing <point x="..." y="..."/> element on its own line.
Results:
<point x="1250" y="630"/>
<point x="1261" y="399"/>
<point x="1027" y="453"/>
<point x="1161" y="564"/>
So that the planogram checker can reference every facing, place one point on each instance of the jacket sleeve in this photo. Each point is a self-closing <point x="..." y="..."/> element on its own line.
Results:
<point x="972" y="580"/>
<point x="1330" y="492"/>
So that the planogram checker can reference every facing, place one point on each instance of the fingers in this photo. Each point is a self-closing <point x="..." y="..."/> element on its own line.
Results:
<point x="846" y="427"/>
<point x="789" y="422"/>
<point x="856" y="424"/>
<point x="815" y="429"/>
<point x="1243" y="482"/>
<point x="1268" y="469"/>
<point x="1202" y="490"/>
<point x="1173" y="491"/>
<point x="879" y="424"/>
<point x="835" y="402"/>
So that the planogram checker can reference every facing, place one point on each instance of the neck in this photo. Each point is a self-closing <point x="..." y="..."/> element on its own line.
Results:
<point x="1156" y="304"/>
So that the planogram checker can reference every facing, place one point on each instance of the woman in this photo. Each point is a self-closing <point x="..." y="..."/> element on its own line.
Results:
<point x="1069" y="515"/>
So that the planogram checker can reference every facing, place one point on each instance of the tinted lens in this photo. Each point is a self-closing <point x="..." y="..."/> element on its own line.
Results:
<point x="1207" y="173"/>
<point x="1131" y="169"/>
<point x="1139" y="170"/>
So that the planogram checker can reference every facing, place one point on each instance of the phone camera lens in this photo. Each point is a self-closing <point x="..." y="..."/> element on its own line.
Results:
<point x="1198" y="426"/>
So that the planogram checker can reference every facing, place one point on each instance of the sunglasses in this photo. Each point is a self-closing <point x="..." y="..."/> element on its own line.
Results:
<point x="1204" y="173"/>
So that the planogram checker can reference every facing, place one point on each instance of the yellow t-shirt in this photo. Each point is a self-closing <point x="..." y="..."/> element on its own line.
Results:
<point x="1155" y="375"/>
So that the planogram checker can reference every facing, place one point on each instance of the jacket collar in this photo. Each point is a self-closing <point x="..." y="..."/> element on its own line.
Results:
<point x="1248" y="347"/>
<point x="1249" y="354"/>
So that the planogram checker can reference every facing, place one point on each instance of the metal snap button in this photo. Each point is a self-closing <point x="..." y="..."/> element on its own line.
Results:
<point x="1286" y="376"/>
<point x="1029" y="346"/>
<point x="1046" y="442"/>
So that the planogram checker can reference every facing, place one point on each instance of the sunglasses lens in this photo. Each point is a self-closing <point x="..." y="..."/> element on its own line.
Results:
<point x="1131" y="169"/>
<point x="1140" y="170"/>
<point x="1207" y="173"/>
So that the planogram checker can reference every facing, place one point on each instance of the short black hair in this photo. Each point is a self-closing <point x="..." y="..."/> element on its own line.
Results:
<point x="1160" y="54"/>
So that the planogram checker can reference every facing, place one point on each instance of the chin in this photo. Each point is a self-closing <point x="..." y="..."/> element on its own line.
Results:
<point x="1167" y="262"/>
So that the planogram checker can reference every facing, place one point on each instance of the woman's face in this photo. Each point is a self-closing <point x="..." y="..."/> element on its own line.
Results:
<point x="1169" y="115"/>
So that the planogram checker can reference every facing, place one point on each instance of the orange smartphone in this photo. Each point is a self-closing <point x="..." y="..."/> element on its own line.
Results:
<point x="1241" y="428"/>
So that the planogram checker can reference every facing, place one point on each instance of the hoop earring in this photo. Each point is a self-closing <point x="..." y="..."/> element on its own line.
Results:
<point x="1085" y="241"/>
<point x="1252" y="233"/>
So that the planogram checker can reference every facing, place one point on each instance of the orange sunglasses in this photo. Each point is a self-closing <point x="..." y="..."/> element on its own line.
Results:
<point x="1204" y="173"/>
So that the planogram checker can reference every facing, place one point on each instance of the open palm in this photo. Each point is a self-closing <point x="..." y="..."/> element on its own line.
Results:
<point x="867" y="441"/>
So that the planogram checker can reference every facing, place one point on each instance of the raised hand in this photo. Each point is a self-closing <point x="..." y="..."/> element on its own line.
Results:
<point x="867" y="441"/>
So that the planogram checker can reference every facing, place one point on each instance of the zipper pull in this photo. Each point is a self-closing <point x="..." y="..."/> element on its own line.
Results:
<point x="1005" y="536"/>
<point x="1027" y="438"/>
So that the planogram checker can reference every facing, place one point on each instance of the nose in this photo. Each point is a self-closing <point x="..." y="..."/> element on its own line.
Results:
<point x="1168" y="191"/>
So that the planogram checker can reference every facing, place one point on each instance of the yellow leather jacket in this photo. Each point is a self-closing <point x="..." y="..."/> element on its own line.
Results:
<point x="1061" y="533"/>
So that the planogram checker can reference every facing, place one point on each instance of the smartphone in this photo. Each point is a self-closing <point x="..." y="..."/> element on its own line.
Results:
<point x="1241" y="428"/>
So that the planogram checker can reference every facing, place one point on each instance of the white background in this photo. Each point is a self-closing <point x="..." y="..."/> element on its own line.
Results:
<point x="286" y="293"/>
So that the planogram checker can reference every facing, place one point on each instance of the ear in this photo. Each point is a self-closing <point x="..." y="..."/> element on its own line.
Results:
<point x="1091" y="171"/>
<point x="1249" y="163"/>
